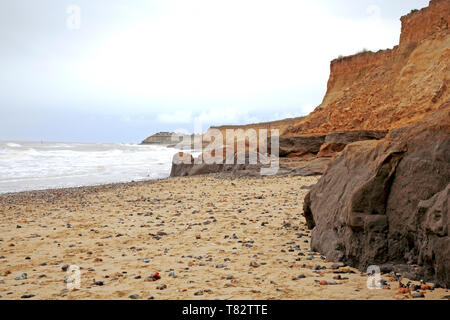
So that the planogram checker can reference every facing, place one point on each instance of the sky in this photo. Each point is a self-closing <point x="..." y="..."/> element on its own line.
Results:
<point x="121" y="70"/>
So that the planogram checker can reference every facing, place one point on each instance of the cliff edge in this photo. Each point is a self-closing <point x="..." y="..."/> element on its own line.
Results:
<point x="389" y="88"/>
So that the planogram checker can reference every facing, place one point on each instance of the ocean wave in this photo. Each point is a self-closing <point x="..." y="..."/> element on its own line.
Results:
<point x="34" y="165"/>
<point x="13" y="145"/>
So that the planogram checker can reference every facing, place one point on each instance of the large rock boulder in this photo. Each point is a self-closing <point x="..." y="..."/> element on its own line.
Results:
<point x="305" y="168"/>
<point x="299" y="146"/>
<point x="386" y="202"/>
<point x="336" y="141"/>
<point x="185" y="165"/>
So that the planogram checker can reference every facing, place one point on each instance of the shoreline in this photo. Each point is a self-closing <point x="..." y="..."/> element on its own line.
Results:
<point x="101" y="187"/>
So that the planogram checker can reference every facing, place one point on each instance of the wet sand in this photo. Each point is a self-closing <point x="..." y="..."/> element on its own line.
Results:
<point x="207" y="237"/>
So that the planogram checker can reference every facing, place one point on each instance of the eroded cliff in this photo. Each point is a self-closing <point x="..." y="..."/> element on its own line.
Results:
<point x="389" y="88"/>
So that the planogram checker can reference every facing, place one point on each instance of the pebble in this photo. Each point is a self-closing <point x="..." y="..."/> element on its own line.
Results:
<point x="22" y="276"/>
<point x="416" y="295"/>
<point x="162" y="287"/>
<point x="221" y="265"/>
<point x="336" y="266"/>
<point x="154" y="277"/>
<point x="27" y="296"/>
<point x="134" y="296"/>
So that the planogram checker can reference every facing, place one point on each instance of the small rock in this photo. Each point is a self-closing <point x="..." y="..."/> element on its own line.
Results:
<point x="27" y="296"/>
<point x="22" y="276"/>
<point x="416" y="295"/>
<point x="154" y="277"/>
<point x="134" y="296"/>
<point x="425" y="287"/>
<point x="336" y="266"/>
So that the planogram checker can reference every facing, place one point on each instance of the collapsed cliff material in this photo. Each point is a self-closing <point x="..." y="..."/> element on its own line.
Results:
<point x="387" y="202"/>
<point x="300" y="146"/>
<point x="184" y="164"/>
<point x="335" y="142"/>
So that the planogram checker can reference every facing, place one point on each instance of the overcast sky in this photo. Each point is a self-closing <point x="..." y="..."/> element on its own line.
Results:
<point x="121" y="70"/>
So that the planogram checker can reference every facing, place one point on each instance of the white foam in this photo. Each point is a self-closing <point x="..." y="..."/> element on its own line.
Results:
<point x="13" y="145"/>
<point x="35" y="165"/>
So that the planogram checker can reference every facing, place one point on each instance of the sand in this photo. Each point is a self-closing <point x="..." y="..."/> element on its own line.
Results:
<point x="221" y="238"/>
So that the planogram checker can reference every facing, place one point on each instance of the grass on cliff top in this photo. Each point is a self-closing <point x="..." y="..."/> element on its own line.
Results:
<point x="361" y="52"/>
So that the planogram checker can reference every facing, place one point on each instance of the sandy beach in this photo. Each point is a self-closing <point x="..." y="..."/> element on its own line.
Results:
<point x="207" y="237"/>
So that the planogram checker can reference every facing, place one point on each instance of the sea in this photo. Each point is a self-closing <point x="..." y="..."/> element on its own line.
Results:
<point x="26" y="166"/>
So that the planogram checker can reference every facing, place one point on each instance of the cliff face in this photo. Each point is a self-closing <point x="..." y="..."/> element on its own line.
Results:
<point x="281" y="125"/>
<point x="387" y="202"/>
<point x="390" y="88"/>
<point x="159" y="138"/>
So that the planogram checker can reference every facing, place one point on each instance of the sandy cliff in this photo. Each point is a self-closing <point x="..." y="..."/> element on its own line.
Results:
<point x="392" y="87"/>
<point x="385" y="202"/>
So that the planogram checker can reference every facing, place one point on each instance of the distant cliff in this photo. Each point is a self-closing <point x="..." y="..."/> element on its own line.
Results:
<point x="389" y="88"/>
<point x="159" y="138"/>
<point x="172" y="139"/>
